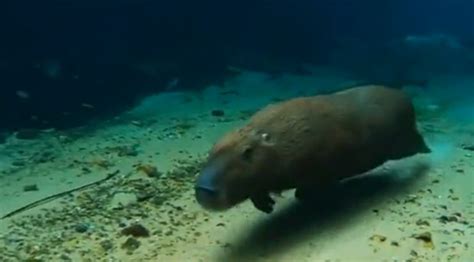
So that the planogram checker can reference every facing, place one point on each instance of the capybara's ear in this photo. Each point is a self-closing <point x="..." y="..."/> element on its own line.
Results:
<point x="266" y="139"/>
<point x="261" y="137"/>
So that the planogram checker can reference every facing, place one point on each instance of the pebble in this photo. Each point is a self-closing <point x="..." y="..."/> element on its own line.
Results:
<point x="32" y="187"/>
<point x="131" y="244"/>
<point x="217" y="112"/>
<point x="378" y="238"/>
<point x="81" y="227"/>
<point x="426" y="238"/>
<point x="136" y="230"/>
<point x="107" y="244"/>
<point x="469" y="147"/>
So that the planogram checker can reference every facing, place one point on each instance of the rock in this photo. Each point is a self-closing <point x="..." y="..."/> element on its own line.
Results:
<point x="136" y="230"/>
<point x="131" y="244"/>
<point x="411" y="198"/>
<point x="127" y="151"/>
<point x="136" y="123"/>
<point x="421" y="222"/>
<point x="44" y="157"/>
<point x="107" y="244"/>
<point x="19" y="163"/>
<point x="426" y="238"/>
<point x="469" y="147"/>
<point x="65" y="257"/>
<point x="378" y="238"/>
<point x="149" y="170"/>
<point x="217" y="112"/>
<point x="32" y="187"/>
<point x="446" y="219"/>
<point x="143" y="196"/>
<point x="27" y="134"/>
<point x="120" y="200"/>
<point x="81" y="227"/>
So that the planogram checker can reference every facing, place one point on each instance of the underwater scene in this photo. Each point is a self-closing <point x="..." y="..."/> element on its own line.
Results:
<point x="215" y="131"/>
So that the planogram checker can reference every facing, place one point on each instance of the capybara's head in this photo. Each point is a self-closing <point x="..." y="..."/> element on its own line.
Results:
<point x="238" y="166"/>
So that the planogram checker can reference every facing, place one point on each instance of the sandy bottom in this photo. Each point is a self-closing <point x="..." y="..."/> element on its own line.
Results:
<point x="417" y="209"/>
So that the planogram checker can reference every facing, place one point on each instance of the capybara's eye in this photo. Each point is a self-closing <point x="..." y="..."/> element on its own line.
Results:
<point x="247" y="153"/>
<point x="265" y="137"/>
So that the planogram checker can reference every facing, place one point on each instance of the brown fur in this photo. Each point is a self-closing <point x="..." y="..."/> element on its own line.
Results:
<point x="312" y="141"/>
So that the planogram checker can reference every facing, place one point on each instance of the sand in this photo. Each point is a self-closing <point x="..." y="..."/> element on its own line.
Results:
<point x="386" y="215"/>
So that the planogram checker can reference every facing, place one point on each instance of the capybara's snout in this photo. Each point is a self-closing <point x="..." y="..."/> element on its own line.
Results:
<point x="206" y="189"/>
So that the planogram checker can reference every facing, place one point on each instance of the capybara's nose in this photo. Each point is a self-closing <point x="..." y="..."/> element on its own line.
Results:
<point x="206" y="196"/>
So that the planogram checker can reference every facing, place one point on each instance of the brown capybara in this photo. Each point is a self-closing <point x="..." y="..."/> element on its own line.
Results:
<point x="309" y="142"/>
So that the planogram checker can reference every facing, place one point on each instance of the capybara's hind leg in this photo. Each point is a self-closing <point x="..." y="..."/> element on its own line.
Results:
<point x="303" y="193"/>
<point x="311" y="192"/>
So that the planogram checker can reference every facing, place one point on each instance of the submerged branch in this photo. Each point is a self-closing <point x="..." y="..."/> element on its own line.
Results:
<point x="58" y="195"/>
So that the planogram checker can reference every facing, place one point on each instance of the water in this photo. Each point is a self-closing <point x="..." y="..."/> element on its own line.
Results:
<point x="109" y="111"/>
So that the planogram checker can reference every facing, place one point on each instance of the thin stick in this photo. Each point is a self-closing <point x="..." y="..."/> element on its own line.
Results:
<point x="58" y="195"/>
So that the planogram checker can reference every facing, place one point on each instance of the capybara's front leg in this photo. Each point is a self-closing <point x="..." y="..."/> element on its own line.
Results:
<point x="263" y="202"/>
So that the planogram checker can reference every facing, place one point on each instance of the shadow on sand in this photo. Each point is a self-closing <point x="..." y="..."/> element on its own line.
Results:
<point x="326" y="212"/>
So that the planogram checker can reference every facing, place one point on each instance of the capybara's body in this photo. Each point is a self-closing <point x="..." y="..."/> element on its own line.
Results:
<point x="309" y="142"/>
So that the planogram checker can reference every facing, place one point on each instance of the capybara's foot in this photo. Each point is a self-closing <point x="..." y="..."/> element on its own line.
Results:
<point x="263" y="202"/>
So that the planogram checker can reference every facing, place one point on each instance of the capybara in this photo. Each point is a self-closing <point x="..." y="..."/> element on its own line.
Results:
<point x="309" y="143"/>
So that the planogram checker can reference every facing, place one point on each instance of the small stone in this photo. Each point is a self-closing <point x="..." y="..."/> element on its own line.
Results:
<point x="131" y="244"/>
<point x="127" y="151"/>
<point x="107" y="244"/>
<point x="136" y="230"/>
<point x="19" y="163"/>
<point x="446" y="219"/>
<point x="143" y="196"/>
<point x="149" y="170"/>
<point x="88" y="106"/>
<point x="468" y="147"/>
<point x="122" y="199"/>
<point x="395" y="244"/>
<point x="421" y="222"/>
<point x="455" y="198"/>
<point x="217" y="112"/>
<point x="65" y="257"/>
<point x="459" y="232"/>
<point x="426" y="238"/>
<point x="378" y="238"/>
<point x="136" y="123"/>
<point x="32" y="187"/>
<point x="81" y="227"/>
<point x="411" y="198"/>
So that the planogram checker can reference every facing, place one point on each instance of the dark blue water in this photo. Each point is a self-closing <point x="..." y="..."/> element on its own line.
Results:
<point x="65" y="53"/>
